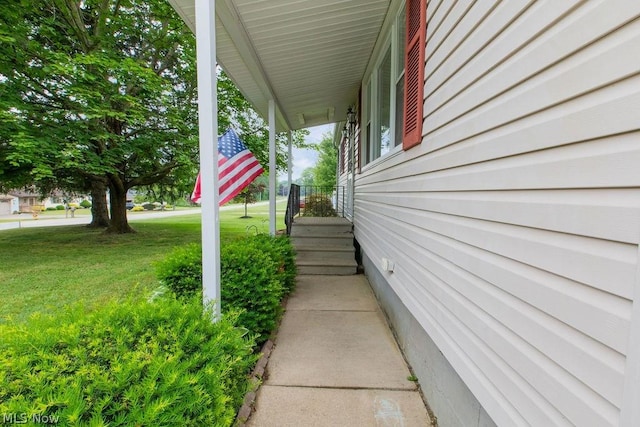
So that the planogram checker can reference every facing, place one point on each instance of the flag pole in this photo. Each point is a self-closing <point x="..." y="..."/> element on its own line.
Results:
<point x="208" y="133"/>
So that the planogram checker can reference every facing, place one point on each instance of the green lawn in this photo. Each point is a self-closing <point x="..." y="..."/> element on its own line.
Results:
<point x="46" y="268"/>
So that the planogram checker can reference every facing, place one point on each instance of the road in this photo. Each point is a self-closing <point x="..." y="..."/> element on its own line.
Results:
<point x="28" y="222"/>
<point x="25" y="220"/>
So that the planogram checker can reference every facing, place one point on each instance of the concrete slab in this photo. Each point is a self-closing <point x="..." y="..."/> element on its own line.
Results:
<point x="337" y="349"/>
<point x="351" y="293"/>
<point x="337" y="407"/>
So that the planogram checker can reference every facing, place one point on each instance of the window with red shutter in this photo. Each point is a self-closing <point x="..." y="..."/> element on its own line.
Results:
<point x="382" y="97"/>
<point x="343" y="149"/>
<point x="416" y="15"/>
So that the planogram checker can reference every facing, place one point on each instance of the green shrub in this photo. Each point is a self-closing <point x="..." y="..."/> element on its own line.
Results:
<point x="249" y="283"/>
<point x="160" y="363"/>
<point x="149" y="206"/>
<point x="281" y="251"/>
<point x="318" y="205"/>
<point x="51" y="208"/>
<point x="256" y="272"/>
<point x="137" y="209"/>
<point x="59" y="207"/>
<point x="85" y="204"/>
<point x="167" y="207"/>
<point x="181" y="270"/>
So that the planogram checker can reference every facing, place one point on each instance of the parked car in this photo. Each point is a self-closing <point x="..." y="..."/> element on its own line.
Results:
<point x="130" y="204"/>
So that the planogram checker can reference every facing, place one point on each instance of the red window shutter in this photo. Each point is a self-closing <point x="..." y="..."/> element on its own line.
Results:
<point x="358" y="162"/>
<point x="343" y="153"/>
<point x="414" y="72"/>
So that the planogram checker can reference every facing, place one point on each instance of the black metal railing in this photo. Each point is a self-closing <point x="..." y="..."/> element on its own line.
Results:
<point x="314" y="200"/>
<point x="293" y="206"/>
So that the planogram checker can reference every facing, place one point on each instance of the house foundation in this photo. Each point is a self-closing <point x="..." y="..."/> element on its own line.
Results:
<point x="446" y="394"/>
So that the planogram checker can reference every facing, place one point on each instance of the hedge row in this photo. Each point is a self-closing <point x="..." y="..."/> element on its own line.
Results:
<point x="162" y="363"/>
<point x="150" y="363"/>
<point x="255" y="274"/>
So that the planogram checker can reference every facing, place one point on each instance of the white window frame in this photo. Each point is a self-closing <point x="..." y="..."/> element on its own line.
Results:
<point x="371" y="140"/>
<point x="397" y="71"/>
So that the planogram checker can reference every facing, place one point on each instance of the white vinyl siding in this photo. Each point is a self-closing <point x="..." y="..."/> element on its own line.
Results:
<point x="515" y="225"/>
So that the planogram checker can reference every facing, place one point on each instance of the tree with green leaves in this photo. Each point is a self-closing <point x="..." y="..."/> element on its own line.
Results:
<point x="306" y="177"/>
<point x="324" y="172"/>
<point x="100" y="94"/>
<point x="250" y="193"/>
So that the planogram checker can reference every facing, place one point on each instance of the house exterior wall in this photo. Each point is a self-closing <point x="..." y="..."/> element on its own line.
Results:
<point x="5" y="207"/>
<point x="514" y="226"/>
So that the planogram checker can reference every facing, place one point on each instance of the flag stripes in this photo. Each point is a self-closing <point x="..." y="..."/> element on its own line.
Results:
<point x="237" y="168"/>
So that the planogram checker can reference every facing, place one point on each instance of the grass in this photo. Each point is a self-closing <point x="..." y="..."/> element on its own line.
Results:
<point x="47" y="268"/>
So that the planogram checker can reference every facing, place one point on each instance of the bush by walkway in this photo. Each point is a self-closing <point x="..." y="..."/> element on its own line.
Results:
<point x="257" y="272"/>
<point x="161" y="363"/>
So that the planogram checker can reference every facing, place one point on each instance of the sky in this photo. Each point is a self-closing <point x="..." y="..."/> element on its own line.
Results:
<point x="303" y="159"/>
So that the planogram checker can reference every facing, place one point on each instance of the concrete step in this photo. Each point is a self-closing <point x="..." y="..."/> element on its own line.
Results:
<point x="326" y="263"/>
<point x="322" y="240"/>
<point x="324" y="246"/>
<point x="324" y="270"/>
<point x="321" y="229"/>
<point x="346" y="250"/>
<point x="328" y="257"/>
<point x="310" y="220"/>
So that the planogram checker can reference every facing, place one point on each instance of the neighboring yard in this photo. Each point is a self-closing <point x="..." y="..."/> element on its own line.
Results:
<point x="45" y="268"/>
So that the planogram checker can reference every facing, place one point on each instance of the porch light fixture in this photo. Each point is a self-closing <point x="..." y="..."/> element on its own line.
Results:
<point x="350" y="124"/>
<point x="351" y="117"/>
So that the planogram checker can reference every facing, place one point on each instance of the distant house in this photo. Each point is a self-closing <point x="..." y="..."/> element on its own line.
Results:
<point x="9" y="204"/>
<point x="493" y="155"/>
<point x="26" y="200"/>
<point x="23" y="201"/>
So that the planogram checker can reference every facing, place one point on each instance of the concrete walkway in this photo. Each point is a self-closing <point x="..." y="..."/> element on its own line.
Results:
<point x="336" y="363"/>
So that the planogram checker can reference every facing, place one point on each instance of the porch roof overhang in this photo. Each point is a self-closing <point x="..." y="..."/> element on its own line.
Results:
<point x="309" y="56"/>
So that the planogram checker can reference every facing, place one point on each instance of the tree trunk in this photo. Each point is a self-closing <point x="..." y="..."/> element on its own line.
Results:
<point x="118" y="203"/>
<point x="99" y="211"/>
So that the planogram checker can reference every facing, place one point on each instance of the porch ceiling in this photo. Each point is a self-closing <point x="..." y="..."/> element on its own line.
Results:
<point x="309" y="55"/>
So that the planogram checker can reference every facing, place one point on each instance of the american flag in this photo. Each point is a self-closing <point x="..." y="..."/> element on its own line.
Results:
<point x="237" y="167"/>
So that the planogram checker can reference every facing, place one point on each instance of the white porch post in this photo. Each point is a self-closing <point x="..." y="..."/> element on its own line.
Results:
<point x="289" y="164"/>
<point x="208" y="125"/>
<point x="272" y="167"/>
<point x="352" y="154"/>
<point x="337" y="204"/>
